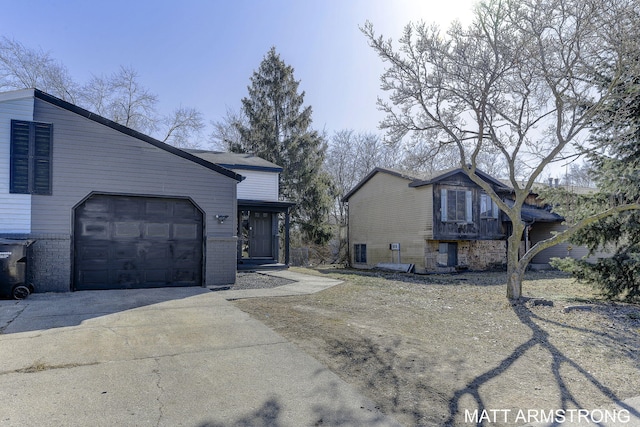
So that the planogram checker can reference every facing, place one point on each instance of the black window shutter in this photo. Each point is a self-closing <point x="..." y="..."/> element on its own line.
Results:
<point x="42" y="158"/>
<point x="19" y="170"/>
<point x="30" y="170"/>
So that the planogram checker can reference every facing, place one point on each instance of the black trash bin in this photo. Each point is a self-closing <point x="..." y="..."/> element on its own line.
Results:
<point x="13" y="268"/>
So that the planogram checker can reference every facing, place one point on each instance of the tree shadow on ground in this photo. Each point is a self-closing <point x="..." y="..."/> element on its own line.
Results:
<point x="380" y="367"/>
<point x="376" y="366"/>
<point x="323" y="412"/>
<point x="540" y="337"/>
<point x="266" y="416"/>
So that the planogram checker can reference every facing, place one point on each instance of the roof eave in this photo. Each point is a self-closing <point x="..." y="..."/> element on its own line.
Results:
<point x="135" y="134"/>
<point x="370" y="175"/>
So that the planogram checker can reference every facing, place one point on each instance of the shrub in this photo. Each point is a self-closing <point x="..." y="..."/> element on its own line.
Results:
<point x="616" y="277"/>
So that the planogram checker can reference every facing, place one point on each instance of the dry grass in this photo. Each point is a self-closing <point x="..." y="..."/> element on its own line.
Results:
<point x="39" y="366"/>
<point x="428" y="348"/>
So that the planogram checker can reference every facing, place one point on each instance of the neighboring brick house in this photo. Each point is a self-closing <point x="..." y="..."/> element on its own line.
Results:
<point x="109" y="207"/>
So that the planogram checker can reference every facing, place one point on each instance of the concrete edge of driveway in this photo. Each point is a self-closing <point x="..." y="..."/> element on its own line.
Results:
<point x="304" y="284"/>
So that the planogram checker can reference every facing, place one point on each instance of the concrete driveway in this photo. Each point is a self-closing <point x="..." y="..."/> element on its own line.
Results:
<point x="161" y="357"/>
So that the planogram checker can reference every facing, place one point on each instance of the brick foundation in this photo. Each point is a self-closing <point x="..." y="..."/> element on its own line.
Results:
<point x="48" y="261"/>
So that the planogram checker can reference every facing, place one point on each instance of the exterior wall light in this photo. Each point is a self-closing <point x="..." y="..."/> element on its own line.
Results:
<point x="221" y="218"/>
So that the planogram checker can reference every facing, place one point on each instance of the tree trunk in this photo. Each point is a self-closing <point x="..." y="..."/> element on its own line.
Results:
<point x="515" y="271"/>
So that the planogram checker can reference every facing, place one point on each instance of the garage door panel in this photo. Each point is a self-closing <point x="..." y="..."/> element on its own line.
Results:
<point x="157" y="231"/>
<point x="158" y="209"/>
<point x="126" y="230"/>
<point x="127" y="207"/>
<point x="94" y="278"/>
<point x="186" y="231"/>
<point x="185" y="277"/>
<point x="127" y="279"/>
<point x="187" y="211"/>
<point x="95" y="228"/>
<point x="158" y="254"/>
<point x="137" y="242"/>
<point x="184" y="253"/>
<point x="98" y="251"/>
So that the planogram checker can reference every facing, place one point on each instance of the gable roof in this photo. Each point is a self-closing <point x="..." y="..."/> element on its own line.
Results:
<point x="419" y="182"/>
<point x="440" y="175"/>
<point x="123" y="129"/>
<point x="371" y="174"/>
<point x="243" y="161"/>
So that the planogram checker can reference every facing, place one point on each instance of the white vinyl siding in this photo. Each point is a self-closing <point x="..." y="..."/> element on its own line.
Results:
<point x="258" y="185"/>
<point x="15" y="209"/>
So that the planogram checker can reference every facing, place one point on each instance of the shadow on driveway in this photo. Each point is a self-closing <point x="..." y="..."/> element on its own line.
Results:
<point x="58" y="310"/>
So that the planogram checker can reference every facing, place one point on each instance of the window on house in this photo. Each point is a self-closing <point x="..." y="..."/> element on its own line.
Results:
<point x="360" y="253"/>
<point x="456" y="205"/>
<point x="488" y="208"/>
<point x="30" y="171"/>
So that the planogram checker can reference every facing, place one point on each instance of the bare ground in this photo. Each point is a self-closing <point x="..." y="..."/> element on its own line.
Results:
<point x="429" y="350"/>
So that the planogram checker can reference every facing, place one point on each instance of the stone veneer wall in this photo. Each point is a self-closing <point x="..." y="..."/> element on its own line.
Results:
<point x="472" y="254"/>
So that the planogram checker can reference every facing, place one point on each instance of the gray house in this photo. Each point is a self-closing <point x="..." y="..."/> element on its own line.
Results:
<point x="109" y="207"/>
<point x="261" y="213"/>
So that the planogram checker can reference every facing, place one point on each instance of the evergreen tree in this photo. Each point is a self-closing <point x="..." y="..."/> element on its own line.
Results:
<point x="278" y="129"/>
<point x="616" y="168"/>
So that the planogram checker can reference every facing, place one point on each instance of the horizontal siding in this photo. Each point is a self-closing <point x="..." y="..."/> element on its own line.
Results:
<point x="90" y="157"/>
<point x="15" y="209"/>
<point x="258" y="185"/>
<point x="542" y="231"/>
<point x="386" y="210"/>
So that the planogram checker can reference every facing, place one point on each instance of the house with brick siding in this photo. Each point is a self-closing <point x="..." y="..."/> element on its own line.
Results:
<point x="441" y="223"/>
<point x="108" y="207"/>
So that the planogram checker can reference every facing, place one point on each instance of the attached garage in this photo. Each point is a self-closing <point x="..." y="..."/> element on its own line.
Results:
<point x="116" y="209"/>
<point x="137" y="242"/>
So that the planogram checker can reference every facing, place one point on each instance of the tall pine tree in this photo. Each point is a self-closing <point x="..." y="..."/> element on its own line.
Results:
<point x="278" y="129"/>
<point x="616" y="169"/>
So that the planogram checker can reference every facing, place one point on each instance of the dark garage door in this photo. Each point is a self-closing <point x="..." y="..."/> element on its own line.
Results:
<point x="137" y="242"/>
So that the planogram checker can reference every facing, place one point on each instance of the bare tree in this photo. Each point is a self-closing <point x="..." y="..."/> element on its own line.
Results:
<point x="119" y="97"/>
<point x="122" y="98"/>
<point x="22" y="67"/>
<point x="519" y="80"/>
<point x="579" y="175"/>
<point x="350" y="157"/>
<point x="226" y="135"/>
<point x="182" y="127"/>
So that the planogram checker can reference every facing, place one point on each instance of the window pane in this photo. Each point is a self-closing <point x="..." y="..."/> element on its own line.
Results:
<point x="451" y="205"/>
<point x="360" y="253"/>
<point x="460" y="207"/>
<point x="485" y="206"/>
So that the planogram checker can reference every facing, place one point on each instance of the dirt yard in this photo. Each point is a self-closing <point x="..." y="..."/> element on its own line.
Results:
<point x="431" y="350"/>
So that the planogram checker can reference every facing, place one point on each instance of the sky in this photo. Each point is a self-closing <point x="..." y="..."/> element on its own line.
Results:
<point x="202" y="53"/>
